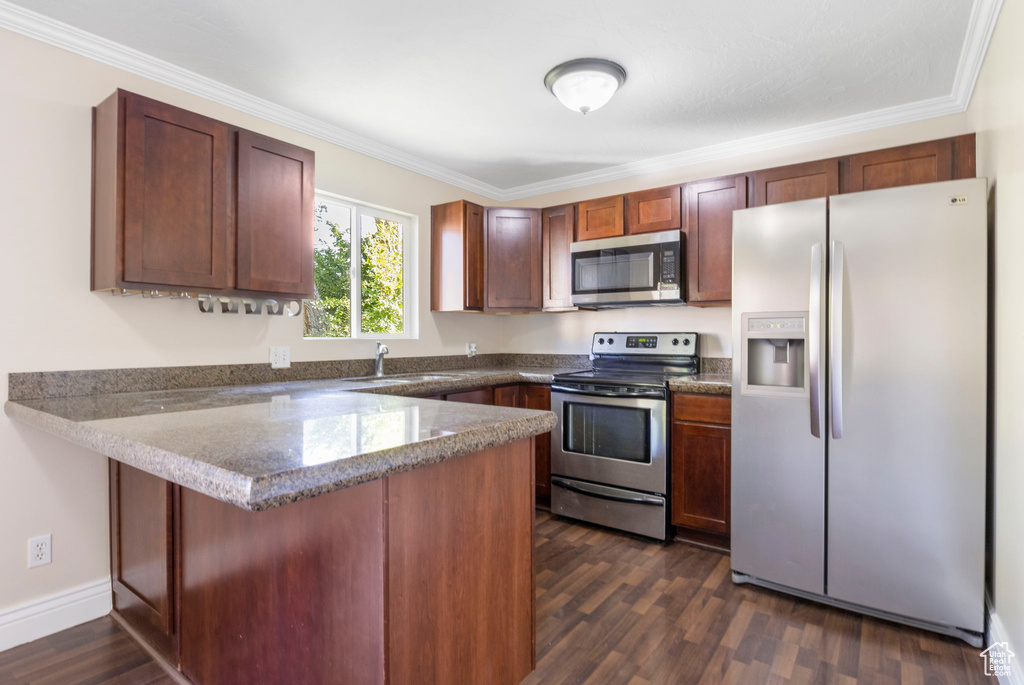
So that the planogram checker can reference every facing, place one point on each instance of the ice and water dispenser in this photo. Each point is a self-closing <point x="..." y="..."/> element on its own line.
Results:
<point x="774" y="349"/>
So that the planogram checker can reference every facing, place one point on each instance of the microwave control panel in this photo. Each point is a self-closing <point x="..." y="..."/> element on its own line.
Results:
<point x="645" y="343"/>
<point x="669" y="273"/>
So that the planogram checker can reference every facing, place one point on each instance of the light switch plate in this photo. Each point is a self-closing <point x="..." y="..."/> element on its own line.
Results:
<point x="280" y="357"/>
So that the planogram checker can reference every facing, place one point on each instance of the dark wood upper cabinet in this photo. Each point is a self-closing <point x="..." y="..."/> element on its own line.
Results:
<point x="512" y="259"/>
<point x="930" y="162"/>
<point x="143" y="559"/>
<point x="601" y="218"/>
<point x="709" y="206"/>
<point x="796" y="182"/>
<point x="175" y="190"/>
<point x="558" y="225"/>
<point x="275" y="216"/>
<point x="178" y="196"/>
<point x="654" y="210"/>
<point x="456" y="257"/>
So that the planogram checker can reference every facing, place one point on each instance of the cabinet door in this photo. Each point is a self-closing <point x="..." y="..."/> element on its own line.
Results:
<point x="796" y="182"/>
<point x="481" y="396"/>
<point x="512" y="244"/>
<point x="142" y="556"/>
<point x="456" y="257"/>
<point x="275" y="216"/>
<point x="557" y="228"/>
<point x="654" y="210"/>
<point x="506" y="396"/>
<point x="709" y="208"/>
<point x="601" y="218"/>
<point x="539" y="397"/>
<point x="900" y="166"/>
<point x="700" y="476"/>
<point x="176" y="196"/>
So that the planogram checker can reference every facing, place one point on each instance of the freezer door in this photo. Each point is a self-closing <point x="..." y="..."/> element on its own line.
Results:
<point x="906" y="464"/>
<point x="778" y="448"/>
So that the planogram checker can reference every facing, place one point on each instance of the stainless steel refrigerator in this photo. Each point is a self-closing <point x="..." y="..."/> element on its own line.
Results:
<point x="859" y="402"/>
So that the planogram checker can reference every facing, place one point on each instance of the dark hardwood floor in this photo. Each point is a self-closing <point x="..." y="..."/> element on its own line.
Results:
<point x="618" y="610"/>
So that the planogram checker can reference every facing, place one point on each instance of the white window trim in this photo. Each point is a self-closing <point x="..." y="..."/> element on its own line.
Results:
<point x="410" y="268"/>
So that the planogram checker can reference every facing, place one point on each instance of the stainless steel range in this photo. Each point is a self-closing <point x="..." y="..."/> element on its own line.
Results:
<point x="609" y="452"/>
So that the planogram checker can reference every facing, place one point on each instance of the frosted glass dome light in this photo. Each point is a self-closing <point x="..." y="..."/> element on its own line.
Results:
<point x="584" y="85"/>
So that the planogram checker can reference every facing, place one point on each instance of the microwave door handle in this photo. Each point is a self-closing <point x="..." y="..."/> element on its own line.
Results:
<point x="582" y="489"/>
<point x="814" y="338"/>
<point x="836" y="336"/>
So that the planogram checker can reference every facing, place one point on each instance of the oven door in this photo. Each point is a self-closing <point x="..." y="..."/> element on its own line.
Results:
<point x="612" y="438"/>
<point x="631" y="269"/>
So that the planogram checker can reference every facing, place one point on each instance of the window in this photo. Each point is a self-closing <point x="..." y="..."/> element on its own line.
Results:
<point x="362" y="258"/>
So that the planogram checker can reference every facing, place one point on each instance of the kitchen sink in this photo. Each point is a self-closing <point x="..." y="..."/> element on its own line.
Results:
<point x="405" y="378"/>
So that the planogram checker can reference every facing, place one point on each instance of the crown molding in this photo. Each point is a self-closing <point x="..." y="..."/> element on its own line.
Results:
<point x="72" y="39"/>
<point x="981" y="25"/>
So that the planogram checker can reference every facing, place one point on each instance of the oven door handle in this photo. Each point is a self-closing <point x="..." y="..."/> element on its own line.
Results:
<point x="655" y="393"/>
<point x="582" y="489"/>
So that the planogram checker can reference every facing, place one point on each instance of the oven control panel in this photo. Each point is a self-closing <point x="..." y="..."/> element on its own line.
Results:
<point x="645" y="343"/>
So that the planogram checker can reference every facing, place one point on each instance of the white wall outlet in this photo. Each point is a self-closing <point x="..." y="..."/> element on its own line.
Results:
<point x="39" y="551"/>
<point x="470" y="349"/>
<point x="280" y="357"/>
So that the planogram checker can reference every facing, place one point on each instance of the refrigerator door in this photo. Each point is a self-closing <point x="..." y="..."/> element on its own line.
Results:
<point x="778" y="448"/>
<point x="906" y="464"/>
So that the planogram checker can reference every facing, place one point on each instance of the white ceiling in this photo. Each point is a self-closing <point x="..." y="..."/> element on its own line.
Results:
<point x="459" y="85"/>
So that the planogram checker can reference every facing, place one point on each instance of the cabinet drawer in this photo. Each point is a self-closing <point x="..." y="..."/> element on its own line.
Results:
<point x="702" y="408"/>
<point x="481" y="396"/>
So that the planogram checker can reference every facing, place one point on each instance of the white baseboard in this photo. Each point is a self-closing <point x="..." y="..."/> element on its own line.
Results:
<point x="997" y="633"/>
<point x="48" y="615"/>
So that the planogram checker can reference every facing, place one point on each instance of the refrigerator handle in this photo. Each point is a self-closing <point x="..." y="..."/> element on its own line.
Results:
<point x="836" y="337"/>
<point x="814" y="338"/>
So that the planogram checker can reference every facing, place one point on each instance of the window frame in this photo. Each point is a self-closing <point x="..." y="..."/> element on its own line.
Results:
<point x="410" y="233"/>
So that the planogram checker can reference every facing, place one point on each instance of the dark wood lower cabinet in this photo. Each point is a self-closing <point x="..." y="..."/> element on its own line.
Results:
<point x="701" y="468"/>
<point x="536" y="396"/>
<point x="143" y="559"/>
<point x="506" y="396"/>
<point x="478" y="396"/>
<point x="423" y="577"/>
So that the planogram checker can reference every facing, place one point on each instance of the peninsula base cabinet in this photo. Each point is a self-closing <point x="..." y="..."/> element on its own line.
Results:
<point x="701" y="464"/>
<point x="378" y="583"/>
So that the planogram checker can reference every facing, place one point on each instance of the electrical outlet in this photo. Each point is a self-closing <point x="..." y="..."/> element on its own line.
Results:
<point x="39" y="551"/>
<point x="470" y="349"/>
<point x="280" y="357"/>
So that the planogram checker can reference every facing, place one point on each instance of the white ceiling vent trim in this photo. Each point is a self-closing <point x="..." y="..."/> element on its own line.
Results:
<point x="981" y="25"/>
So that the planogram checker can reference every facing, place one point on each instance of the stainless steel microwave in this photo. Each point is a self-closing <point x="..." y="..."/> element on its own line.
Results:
<point x="632" y="270"/>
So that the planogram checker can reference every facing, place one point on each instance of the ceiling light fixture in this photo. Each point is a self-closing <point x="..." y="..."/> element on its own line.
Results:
<point x="584" y="85"/>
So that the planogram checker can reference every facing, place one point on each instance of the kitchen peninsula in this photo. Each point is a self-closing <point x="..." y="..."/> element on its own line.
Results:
<point x="318" y="531"/>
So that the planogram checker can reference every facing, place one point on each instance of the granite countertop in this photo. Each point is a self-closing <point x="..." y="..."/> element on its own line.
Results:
<point x="703" y="384"/>
<point x="261" y="446"/>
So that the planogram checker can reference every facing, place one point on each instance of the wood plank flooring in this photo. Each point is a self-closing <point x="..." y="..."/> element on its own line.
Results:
<point x="617" y="610"/>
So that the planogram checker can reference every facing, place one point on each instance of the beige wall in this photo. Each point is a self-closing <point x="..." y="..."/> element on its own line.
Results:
<point x="997" y="114"/>
<point x="51" y="321"/>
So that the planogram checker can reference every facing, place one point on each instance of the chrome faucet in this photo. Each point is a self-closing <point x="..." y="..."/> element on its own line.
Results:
<point x="378" y="363"/>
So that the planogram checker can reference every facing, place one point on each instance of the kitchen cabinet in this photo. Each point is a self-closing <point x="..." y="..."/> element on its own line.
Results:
<point x="700" y="476"/>
<point x="796" y="182"/>
<point x="185" y="203"/>
<point x="709" y="206"/>
<point x="535" y="396"/>
<point x="930" y="162"/>
<point x="143" y="518"/>
<point x="659" y="209"/>
<point x="479" y="396"/>
<point x="457" y="257"/>
<point x="558" y="225"/>
<point x="275" y="215"/>
<point x="506" y="396"/>
<point x="600" y="218"/>
<point x="512" y="259"/>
